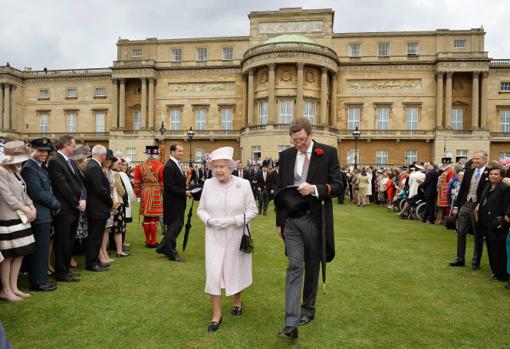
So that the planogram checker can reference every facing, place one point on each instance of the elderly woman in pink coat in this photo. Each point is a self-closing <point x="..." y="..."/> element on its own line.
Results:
<point x="226" y="204"/>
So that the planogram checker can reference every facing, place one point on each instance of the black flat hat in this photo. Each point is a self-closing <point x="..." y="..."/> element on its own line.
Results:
<point x="42" y="143"/>
<point x="196" y="192"/>
<point x="290" y="200"/>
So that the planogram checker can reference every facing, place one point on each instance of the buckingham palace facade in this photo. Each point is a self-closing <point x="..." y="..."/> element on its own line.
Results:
<point x="414" y="95"/>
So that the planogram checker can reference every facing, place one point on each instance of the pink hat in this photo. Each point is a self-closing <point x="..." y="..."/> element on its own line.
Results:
<point x="223" y="153"/>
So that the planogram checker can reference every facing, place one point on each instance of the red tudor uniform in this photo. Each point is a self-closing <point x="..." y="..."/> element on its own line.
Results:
<point x="148" y="185"/>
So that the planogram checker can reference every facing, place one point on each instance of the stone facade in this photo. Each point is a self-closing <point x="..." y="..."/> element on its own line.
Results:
<point x="422" y="94"/>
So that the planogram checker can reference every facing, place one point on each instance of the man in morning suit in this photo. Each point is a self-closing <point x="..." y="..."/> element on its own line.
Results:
<point x="99" y="206"/>
<point x="66" y="185"/>
<point x="38" y="183"/>
<point x="315" y="169"/>
<point x="174" y="202"/>
<point x="475" y="179"/>
<point x="265" y="187"/>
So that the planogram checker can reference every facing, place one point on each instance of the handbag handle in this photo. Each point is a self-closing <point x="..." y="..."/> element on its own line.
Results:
<point x="245" y="226"/>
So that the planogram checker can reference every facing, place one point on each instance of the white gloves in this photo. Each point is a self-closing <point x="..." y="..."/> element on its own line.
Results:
<point x="221" y="223"/>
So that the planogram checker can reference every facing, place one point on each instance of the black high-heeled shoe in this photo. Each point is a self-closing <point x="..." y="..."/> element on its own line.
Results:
<point x="237" y="310"/>
<point x="214" y="326"/>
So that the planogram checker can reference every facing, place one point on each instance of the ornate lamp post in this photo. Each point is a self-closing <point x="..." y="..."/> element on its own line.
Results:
<point x="162" y="129"/>
<point x="356" y="134"/>
<point x="190" y="134"/>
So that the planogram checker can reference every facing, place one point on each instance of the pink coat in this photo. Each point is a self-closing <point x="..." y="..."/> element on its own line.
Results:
<point x="225" y="266"/>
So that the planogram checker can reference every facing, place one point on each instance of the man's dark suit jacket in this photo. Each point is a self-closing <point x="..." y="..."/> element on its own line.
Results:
<point x="464" y="186"/>
<point x="99" y="200"/>
<point x="174" y="197"/>
<point x="268" y="184"/>
<point x="324" y="172"/>
<point x="430" y="184"/>
<point x="66" y="185"/>
<point x="494" y="204"/>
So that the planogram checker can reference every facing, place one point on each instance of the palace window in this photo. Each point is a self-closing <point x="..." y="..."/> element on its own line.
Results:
<point x="285" y="111"/>
<point x="505" y="155"/>
<point x="131" y="154"/>
<point x="282" y="147"/>
<point x="461" y="154"/>
<point x="202" y="54"/>
<point x="100" y="120"/>
<point x="381" y="157"/>
<point x="228" y="53"/>
<point x="351" y="156"/>
<point x="137" y="120"/>
<point x="71" y="93"/>
<point x="505" y="86"/>
<point x="354" y="50"/>
<point x="309" y="111"/>
<point x="176" y="55"/>
<point x="175" y="119"/>
<point x="383" y="49"/>
<point x="200" y="119"/>
<point x="457" y="119"/>
<point x="199" y="155"/>
<point x="44" y="93"/>
<point x="100" y="92"/>
<point x="459" y="43"/>
<point x="412" y="118"/>
<point x="504" y="121"/>
<point x="382" y="118"/>
<point x="226" y="119"/>
<point x="256" y="151"/>
<point x="43" y="122"/>
<point x="413" y="49"/>
<point x="411" y="156"/>
<point x="353" y="117"/>
<point x="71" y="123"/>
<point x="136" y="52"/>
<point x="263" y="112"/>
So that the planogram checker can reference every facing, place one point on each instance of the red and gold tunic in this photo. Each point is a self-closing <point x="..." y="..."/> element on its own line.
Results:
<point x="444" y="180"/>
<point x="148" y="186"/>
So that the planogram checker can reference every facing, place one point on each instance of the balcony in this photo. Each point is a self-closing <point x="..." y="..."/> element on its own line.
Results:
<point x="80" y="136"/>
<point x="389" y="134"/>
<point x="202" y="134"/>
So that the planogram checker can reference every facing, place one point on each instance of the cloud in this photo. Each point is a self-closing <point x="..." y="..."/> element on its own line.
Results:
<point x="61" y="34"/>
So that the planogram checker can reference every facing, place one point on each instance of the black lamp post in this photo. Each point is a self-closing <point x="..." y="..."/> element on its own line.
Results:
<point x="162" y="129"/>
<point x="190" y="134"/>
<point x="356" y="134"/>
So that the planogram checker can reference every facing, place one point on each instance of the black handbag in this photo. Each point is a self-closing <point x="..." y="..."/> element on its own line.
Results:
<point x="246" y="240"/>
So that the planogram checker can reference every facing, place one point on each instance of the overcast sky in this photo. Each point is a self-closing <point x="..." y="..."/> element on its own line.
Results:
<point x="61" y="34"/>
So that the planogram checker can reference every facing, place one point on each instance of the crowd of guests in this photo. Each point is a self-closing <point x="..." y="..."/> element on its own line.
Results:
<point x="58" y="199"/>
<point x="473" y="196"/>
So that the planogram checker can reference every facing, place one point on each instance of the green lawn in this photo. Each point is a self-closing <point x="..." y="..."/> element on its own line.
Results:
<point x="388" y="287"/>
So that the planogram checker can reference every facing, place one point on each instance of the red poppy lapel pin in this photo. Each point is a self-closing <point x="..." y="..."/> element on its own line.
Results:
<point x="319" y="151"/>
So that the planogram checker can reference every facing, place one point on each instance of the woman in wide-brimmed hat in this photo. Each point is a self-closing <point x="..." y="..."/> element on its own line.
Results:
<point x="16" y="213"/>
<point x="226" y="205"/>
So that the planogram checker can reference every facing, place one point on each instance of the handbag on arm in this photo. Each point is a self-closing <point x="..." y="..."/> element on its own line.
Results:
<point x="246" y="240"/>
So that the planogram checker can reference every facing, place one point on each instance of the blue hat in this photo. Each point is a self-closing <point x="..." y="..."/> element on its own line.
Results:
<point x="42" y="143"/>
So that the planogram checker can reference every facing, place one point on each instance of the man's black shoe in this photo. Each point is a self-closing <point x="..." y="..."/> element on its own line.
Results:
<point x="304" y="320"/>
<point x="97" y="268"/>
<point x="43" y="287"/>
<point x="475" y="267"/>
<point x="174" y="256"/>
<point x="457" y="264"/>
<point x="74" y="275"/>
<point x="289" y="333"/>
<point x="66" y="278"/>
<point x="103" y="265"/>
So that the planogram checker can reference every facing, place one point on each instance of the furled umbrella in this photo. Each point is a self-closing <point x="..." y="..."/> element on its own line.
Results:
<point x="323" y="259"/>
<point x="196" y="192"/>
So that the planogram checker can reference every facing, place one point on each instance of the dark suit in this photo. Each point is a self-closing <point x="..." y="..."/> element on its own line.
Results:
<point x="99" y="205"/>
<point x="174" y="205"/>
<point x="430" y="193"/>
<point x="302" y="235"/>
<point x="38" y="185"/>
<point x="465" y="220"/>
<point x="66" y="185"/>
<point x="491" y="224"/>
<point x="264" y="188"/>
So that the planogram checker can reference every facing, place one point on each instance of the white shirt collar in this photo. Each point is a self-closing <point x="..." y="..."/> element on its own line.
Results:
<point x="308" y="151"/>
<point x="64" y="155"/>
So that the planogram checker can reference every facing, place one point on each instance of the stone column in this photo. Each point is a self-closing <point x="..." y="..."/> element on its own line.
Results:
<point x="299" y="92"/>
<point x="324" y="97"/>
<point x="143" y="107"/>
<point x="439" y="100"/>
<point x="448" y="101"/>
<point x="332" y="113"/>
<point x="122" y="104"/>
<point x="244" y="120"/>
<point x="2" y="107"/>
<point x="7" y="106"/>
<point x="114" y="124"/>
<point x="151" y="104"/>
<point x="271" y="100"/>
<point x="14" y="109"/>
<point x="475" y="102"/>
<point x="483" y="104"/>
<point x="251" y="117"/>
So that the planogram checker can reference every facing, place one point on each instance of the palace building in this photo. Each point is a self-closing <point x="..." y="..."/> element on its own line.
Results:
<point x="414" y="95"/>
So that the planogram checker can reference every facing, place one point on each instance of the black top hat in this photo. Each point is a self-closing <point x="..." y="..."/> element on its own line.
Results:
<point x="290" y="200"/>
<point x="109" y="155"/>
<point x="152" y="149"/>
<point x="42" y="143"/>
<point x="196" y="192"/>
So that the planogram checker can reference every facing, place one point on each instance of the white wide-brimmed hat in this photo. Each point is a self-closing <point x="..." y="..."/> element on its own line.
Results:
<point x="15" y="152"/>
<point x="223" y="153"/>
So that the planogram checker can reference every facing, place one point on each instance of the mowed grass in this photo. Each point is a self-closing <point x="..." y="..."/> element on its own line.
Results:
<point x="388" y="287"/>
